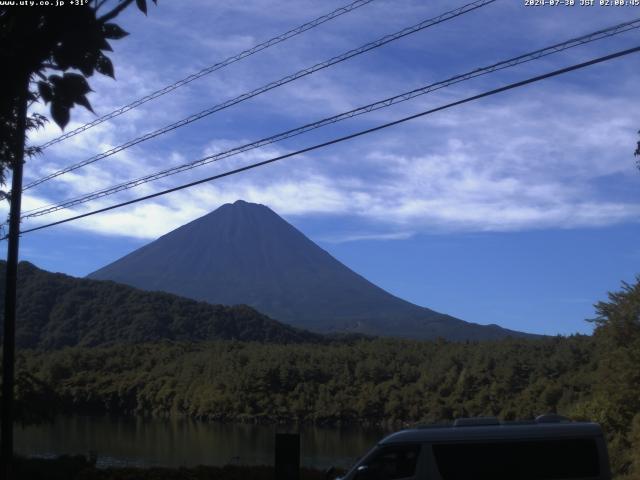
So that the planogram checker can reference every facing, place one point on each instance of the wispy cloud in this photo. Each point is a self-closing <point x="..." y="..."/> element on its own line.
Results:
<point x="357" y="237"/>
<point x="549" y="156"/>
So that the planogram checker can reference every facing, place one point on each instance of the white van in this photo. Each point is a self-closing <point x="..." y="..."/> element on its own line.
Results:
<point x="551" y="447"/>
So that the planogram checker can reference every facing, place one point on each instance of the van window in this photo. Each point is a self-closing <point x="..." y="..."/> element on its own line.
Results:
<point x="392" y="463"/>
<point x="526" y="460"/>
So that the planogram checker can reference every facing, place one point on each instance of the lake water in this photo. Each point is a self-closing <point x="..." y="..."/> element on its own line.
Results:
<point x="181" y="442"/>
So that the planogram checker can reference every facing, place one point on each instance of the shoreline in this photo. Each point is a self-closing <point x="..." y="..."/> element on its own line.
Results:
<point x="78" y="467"/>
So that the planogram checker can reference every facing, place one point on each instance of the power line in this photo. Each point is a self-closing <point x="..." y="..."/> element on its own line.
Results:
<point x="591" y="37"/>
<point x="270" y="86"/>
<point x="347" y="137"/>
<point x="206" y="71"/>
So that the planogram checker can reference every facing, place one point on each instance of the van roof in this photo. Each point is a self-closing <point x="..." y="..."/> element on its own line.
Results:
<point x="499" y="431"/>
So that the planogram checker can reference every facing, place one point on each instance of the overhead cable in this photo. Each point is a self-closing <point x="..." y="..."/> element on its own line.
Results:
<point x="270" y="86"/>
<point x="387" y="102"/>
<point x="212" y="68"/>
<point x="345" y="138"/>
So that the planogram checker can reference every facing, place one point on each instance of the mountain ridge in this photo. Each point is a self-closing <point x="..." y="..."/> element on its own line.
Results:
<point x="56" y="311"/>
<point x="246" y="253"/>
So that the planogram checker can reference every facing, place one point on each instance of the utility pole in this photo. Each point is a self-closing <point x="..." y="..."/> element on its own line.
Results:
<point x="9" y="337"/>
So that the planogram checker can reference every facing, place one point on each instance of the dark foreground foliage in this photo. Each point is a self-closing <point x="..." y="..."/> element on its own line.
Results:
<point x="78" y="468"/>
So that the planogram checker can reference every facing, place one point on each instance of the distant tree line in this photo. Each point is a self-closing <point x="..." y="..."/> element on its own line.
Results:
<point x="371" y="381"/>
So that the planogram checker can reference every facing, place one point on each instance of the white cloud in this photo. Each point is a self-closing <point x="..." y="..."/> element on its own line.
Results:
<point x="357" y="237"/>
<point x="547" y="156"/>
<point x="486" y="177"/>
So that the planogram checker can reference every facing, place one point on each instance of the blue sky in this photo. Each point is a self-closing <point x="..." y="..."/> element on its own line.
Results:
<point x="521" y="209"/>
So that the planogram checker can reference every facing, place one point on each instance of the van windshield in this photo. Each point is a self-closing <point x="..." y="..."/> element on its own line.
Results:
<point x="525" y="460"/>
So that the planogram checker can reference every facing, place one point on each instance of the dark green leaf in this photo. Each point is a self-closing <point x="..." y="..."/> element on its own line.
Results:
<point x="82" y="100"/>
<point x="61" y="59"/>
<point x="104" y="45"/>
<point x="64" y="92"/>
<point x="88" y="63"/>
<point x="55" y="80"/>
<point x="60" y="114"/>
<point x="142" y="5"/>
<point x="113" y="31"/>
<point x="76" y="84"/>
<point x="35" y="121"/>
<point x="104" y="66"/>
<point x="70" y="52"/>
<point x="46" y="91"/>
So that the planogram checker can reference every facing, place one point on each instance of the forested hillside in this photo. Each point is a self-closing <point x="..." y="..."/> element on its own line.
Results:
<point x="365" y="381"/>
<point x="56" y="310"/>
<point x="396" y="382"/>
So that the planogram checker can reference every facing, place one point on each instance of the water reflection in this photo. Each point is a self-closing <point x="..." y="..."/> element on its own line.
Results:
<point x="182" y="442"/>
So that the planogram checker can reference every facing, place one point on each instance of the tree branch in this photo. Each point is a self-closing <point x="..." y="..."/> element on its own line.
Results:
<point x="115" y="12"/>
<point x="99" y="4"/>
